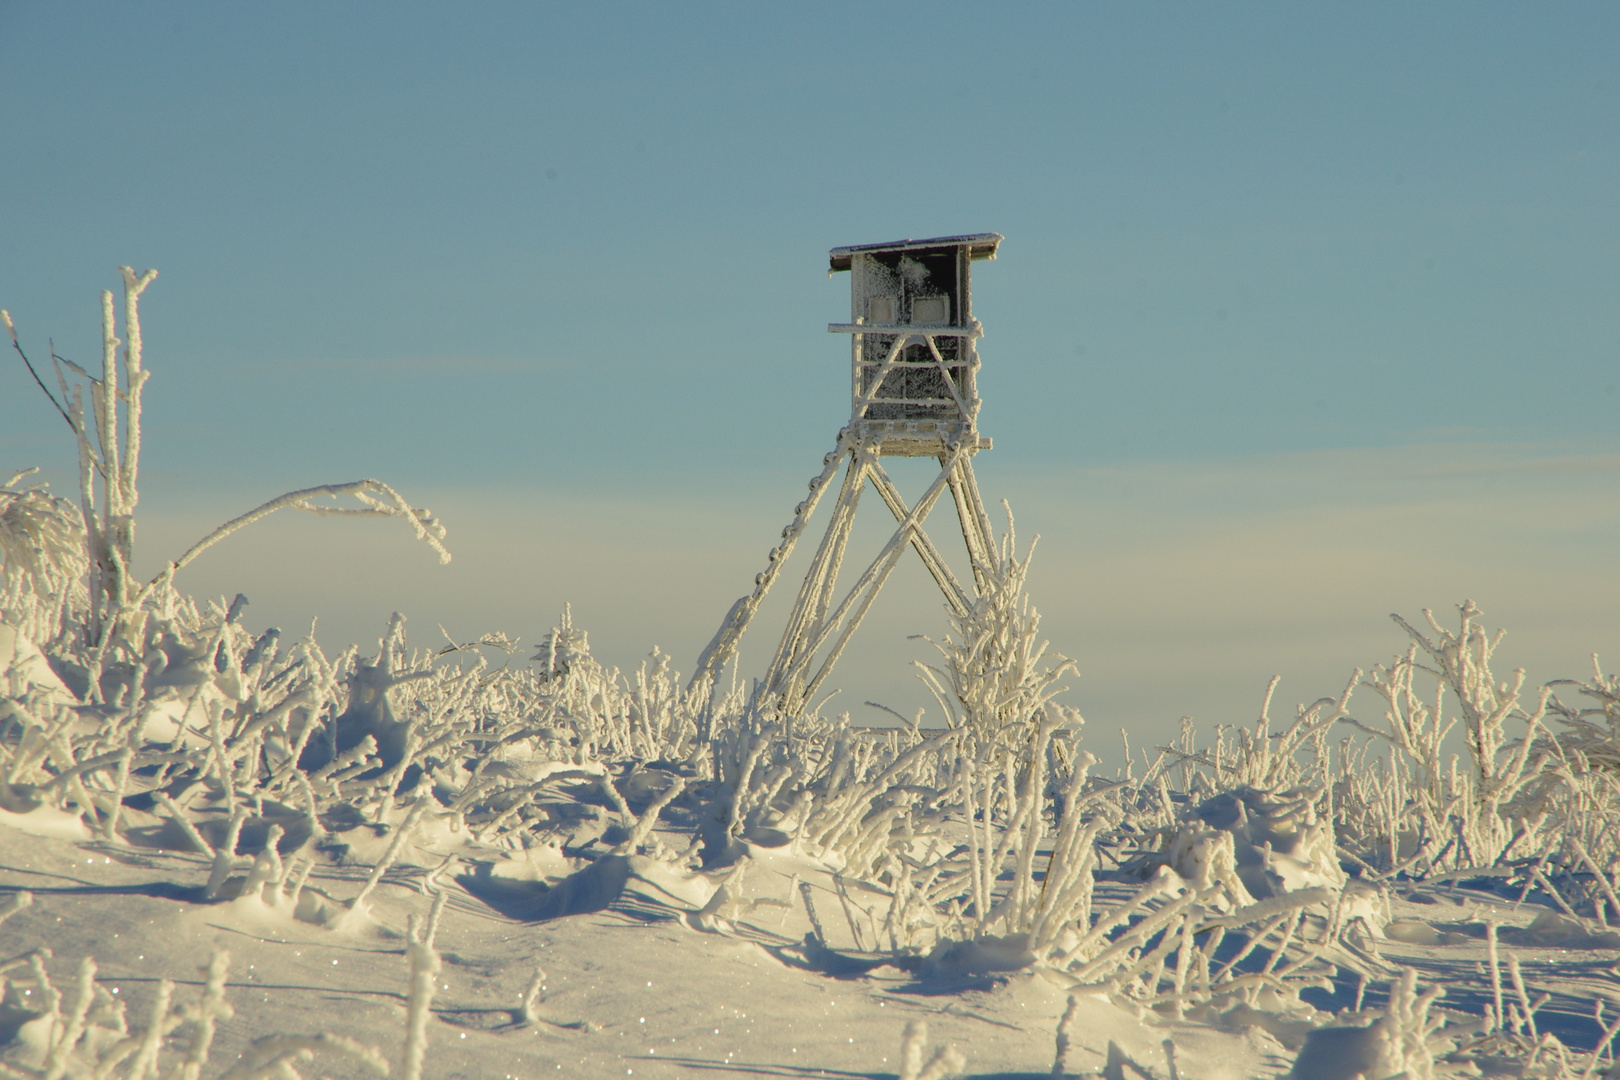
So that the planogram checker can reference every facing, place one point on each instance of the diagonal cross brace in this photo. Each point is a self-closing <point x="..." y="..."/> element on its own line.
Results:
<point x="786" y="681"/>
<point x="950" y="383"/>
<point x="864" y="402"/>
<point x="954" y="594"/>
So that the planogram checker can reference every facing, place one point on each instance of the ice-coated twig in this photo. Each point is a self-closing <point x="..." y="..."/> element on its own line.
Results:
<point x="1064" y="1037"/>
<point x="1597" y="872"/>
<point x="151" y="1041"/>
<point x="529" y="1011"/>
<point x="222" y="762"/>
<point x="394" y="847"/>
<point x="810" y="910"/>
<point x="209" y="1011"/>
<point x="355" y="755"/>
<point x="11" y="329"/>
<point x="945" y="1061"/>
<point x="56" y="1063"/>
<point x="435" y="913"/>
<point x="265" y="868"/>
<point x="424" y="982"/>
<point x="1602" y="1046"/>
<point x="14" y="903"/>
<point x="1496" y="972"/>
<point x="271" y="1056"/>
<point x="1270" y="927"/>
<point x="649" y="817"/>
<point x="178" y="816"/>
<point x="849" y="908"/>
<point x="225" y="858"/>
<point x="115" y="806"/>
<point x="1122" y="914"/>
<point x="105" y="397"/>
<point x="1527" y="1009"/>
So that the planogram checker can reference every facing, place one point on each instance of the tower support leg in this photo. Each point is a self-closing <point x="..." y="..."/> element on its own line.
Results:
<point x="815" y="626"/>
<point x="723" y="646"/>
<point x="815" y="595"/>
<point x="976" y="531"/>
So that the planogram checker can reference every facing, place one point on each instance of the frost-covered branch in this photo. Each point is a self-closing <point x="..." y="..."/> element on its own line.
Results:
<point x="378" y="499"/>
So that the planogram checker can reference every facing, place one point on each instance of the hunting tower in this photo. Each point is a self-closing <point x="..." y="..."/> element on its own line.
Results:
<point x="914" y="361"/>
<point x="912" y="346"/>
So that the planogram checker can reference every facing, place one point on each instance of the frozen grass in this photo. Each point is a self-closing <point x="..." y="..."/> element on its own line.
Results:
<point x="90" y="1034"/>
<point x="1226" y="885"/>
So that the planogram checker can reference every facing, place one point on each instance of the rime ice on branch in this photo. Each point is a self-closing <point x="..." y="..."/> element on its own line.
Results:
<point x="116" y="601"/>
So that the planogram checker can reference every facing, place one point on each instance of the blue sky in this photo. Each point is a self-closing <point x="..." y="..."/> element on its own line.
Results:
<point x="1344" y="275"/>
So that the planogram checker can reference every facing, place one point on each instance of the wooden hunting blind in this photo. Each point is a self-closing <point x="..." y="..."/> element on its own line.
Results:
<point x="912" y="340"/>
<point x="914" y="359"/>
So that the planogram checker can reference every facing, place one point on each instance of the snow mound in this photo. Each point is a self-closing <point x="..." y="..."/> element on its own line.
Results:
<point x="38" y="819"/>
<point x="1550" y="930"/>
<point x="1279" y="845"/>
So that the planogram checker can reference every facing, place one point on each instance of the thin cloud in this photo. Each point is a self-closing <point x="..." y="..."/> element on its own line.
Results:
<point x="491" y="365"/>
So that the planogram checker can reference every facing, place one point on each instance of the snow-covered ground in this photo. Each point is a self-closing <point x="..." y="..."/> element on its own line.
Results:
<point x="637" y="980"/>
<point x="630" y="989"/>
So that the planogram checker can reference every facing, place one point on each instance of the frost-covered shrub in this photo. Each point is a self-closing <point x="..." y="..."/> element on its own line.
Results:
<point x="108" y="436"/>
<point x="1405" y="1041"/>
<point x="917" y="1064"/>
<point x="42" y="559"/>
<point x="995" y="683"/>
<point x="648" y="717"/>
<point x="1592" y="733"/>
